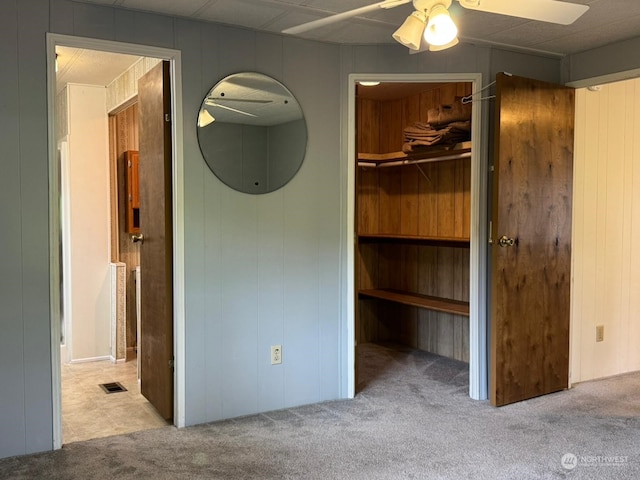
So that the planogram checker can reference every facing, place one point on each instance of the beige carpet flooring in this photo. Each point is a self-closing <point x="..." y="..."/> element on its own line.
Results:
<point x="413" y="419"/>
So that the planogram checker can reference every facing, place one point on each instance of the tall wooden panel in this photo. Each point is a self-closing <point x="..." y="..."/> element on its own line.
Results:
<point x="531" y="267"/>
<point x="123" y="137"/>
<point x="156" y="256"/>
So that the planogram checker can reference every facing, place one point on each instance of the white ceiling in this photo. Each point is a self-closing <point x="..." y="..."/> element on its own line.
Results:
<point x="89" y="67"/>
<point x="605" y="22"/>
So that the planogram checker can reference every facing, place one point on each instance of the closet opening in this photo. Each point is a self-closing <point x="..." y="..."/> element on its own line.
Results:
<point x="413" y="230"/>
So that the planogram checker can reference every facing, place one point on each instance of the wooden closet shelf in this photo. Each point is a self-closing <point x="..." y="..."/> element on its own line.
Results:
<point x="417" y="300"/>
<point x="393" y="159"/>
<point x="415" y="239"/>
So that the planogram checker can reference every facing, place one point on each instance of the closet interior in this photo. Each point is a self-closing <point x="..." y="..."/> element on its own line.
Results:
<point x="412" y="217"/>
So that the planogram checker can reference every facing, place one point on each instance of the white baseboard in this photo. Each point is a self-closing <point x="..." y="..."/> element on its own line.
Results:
<point x="91" y="359"/>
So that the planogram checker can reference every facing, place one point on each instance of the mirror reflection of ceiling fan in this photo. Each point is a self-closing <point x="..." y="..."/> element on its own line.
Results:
<point x="431" y="23"/>
<point x="205" y="118"/>
<point x="214" y="102"/>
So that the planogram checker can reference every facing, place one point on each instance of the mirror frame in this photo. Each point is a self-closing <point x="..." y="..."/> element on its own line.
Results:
<point x="252" y="132"/>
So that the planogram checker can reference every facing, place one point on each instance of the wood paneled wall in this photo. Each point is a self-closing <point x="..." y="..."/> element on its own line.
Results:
<point x="380" y="123"/>
<point x="606" y="232"/>
<point x="430" y="201"/>
<point x="428" y="270"/>
<point x="123" y="136"/>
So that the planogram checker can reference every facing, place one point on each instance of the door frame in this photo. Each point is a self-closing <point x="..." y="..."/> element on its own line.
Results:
<point x="478" y="278"/>
<point x="174" y="58"/>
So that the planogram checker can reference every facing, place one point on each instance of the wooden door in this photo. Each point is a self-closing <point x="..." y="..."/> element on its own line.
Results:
<point x="531" y="272"/>
<point x="156" y="267"/>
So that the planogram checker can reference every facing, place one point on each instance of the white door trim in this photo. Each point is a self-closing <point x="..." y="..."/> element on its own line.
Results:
<point x="478" y="355"/>
<point x="174" y="57"/>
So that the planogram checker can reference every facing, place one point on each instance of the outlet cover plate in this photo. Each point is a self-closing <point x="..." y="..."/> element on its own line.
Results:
<point x="276" y="354"/>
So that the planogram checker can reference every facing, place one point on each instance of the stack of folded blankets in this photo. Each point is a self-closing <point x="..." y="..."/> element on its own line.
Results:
<point x="446" y="126"/>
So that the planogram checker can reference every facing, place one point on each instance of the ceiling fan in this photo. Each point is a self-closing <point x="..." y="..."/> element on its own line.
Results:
<point x="431" y="20"/>
<point x="215" y="102"/>
<point x="205" y="118"/>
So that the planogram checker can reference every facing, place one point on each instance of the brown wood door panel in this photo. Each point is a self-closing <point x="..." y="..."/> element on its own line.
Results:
<point x="532" y="204"/>
<point x="156" y="267"/>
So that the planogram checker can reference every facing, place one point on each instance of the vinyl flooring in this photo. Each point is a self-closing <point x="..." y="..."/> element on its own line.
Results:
<point x="89" y="412"/>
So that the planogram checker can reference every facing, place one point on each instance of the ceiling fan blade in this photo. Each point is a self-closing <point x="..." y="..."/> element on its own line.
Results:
<point x="386" y="4"/>
<point x="552" y="11"/>
<point x="245" y="100"/>
<point x="214" y="104"/>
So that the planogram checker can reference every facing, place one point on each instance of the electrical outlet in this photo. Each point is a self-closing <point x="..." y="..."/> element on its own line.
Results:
<point x="276" y="354"/>
<point x="599" y="333"/>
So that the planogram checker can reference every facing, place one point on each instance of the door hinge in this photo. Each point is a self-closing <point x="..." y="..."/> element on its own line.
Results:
<point x="172" y="363"/>
<point x="167" y="117"/>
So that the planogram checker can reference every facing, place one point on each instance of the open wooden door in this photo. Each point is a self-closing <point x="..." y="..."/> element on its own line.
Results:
<point x="531" y="233"/>
<point x="156" y="264"/>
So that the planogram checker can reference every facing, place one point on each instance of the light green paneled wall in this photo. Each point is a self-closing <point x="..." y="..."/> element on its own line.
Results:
<point x="606" y="62"/>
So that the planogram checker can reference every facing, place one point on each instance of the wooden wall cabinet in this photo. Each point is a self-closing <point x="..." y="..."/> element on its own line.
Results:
<point x="413" y="229"/>
<point x="131" y="160"/>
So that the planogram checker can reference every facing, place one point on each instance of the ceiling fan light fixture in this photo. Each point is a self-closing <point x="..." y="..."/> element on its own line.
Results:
<point x="437" y="48"/>
<point x="440" y="30"/>
<point x="410" y="32"/>
<point x="205" y="118"/>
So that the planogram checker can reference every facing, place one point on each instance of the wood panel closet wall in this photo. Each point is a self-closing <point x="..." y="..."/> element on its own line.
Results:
<point x="412" y="225"/>
<point x="123" y="137"/>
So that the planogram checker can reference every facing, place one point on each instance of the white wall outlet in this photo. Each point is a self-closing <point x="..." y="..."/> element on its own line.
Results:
<point x="276" y="354"/>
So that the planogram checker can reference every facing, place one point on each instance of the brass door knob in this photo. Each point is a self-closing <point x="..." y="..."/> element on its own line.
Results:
<point x="505" y="241"/>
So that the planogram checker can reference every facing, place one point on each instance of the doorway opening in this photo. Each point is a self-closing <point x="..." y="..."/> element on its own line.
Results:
<point x="97" y="289"/>
<point x="417" y="212"/>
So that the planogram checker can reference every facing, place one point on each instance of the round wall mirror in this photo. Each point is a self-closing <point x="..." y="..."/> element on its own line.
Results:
<point x="252" y="133"/>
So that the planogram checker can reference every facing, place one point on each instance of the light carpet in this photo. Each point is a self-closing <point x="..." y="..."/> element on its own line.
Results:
<point x="413" y="419"/>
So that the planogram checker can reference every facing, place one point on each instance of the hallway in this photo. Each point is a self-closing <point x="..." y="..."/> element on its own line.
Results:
<point x="89" y="412"/>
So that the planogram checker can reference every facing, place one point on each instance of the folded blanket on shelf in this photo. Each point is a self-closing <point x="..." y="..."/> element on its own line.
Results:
<point x="447" y="113"/>
<point x="421" y="135"/>
<point x="447" y="124"/>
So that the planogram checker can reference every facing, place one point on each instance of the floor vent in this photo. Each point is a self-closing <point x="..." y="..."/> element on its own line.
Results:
<point x="113" y="387"/>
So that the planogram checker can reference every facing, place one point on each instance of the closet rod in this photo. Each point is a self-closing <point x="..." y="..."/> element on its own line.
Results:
<point x="396" y="163"/>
